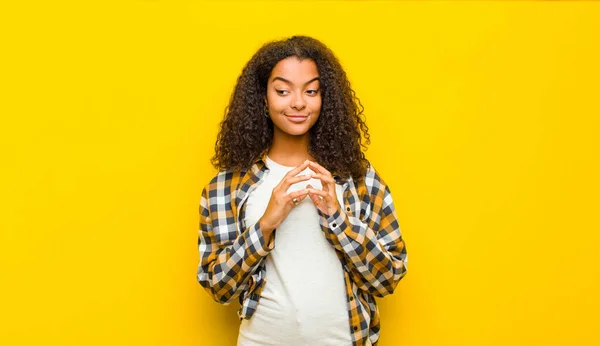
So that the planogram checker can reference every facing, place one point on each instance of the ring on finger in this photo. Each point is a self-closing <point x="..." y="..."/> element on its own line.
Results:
<point x="295" y="200"/>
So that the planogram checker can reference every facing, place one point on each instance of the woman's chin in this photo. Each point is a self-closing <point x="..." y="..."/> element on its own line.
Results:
<point x="295" y="131"/>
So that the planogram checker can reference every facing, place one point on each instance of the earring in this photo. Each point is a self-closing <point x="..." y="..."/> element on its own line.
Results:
<point x="266" y="112"/>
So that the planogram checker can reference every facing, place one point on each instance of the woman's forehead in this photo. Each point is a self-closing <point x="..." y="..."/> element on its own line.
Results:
<point x="295" y="71"/>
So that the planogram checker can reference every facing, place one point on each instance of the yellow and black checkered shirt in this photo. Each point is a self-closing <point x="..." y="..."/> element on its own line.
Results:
<point x="365" y="234"/>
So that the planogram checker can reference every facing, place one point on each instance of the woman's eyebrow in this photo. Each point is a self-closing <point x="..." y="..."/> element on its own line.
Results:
<point x="289" y="82"/>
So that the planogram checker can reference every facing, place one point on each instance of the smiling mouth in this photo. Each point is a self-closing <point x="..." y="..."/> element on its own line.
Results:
<point x="297" y="118"/>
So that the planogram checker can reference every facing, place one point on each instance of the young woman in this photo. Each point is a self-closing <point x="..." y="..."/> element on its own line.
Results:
<point x="297" y="224"/>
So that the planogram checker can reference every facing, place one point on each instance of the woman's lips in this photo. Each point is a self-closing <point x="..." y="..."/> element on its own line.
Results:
<point x="297" y="118"/>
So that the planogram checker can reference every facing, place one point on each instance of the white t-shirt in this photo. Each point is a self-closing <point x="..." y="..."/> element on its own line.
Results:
<point x="304" y="299"/>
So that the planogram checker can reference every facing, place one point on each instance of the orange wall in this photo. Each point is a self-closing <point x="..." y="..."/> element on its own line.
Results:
<point x="484" y="122"/>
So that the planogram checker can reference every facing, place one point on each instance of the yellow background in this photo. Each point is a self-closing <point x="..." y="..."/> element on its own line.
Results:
<point x="484" y="122"/>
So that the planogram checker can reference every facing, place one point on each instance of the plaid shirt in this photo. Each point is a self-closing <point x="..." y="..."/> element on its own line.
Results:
<point x="365" y="234"/>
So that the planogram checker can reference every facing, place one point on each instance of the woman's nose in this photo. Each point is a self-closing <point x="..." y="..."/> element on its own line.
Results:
<point x="298" y="102"/>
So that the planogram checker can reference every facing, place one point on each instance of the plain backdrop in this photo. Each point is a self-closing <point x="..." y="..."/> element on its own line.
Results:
<point x="484" y="123"/>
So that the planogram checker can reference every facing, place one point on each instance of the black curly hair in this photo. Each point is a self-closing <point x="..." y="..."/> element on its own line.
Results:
<point x="335" y="138"/>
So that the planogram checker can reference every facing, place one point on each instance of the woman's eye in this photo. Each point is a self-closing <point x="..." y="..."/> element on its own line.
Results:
<point x="280" y="92"/>
<point x="312" y="92"/>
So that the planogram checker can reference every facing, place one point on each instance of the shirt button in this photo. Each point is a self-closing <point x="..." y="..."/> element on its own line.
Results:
<point x="351" y="298"/>
<point x="347" y="208"/>
<point x="355" y="327"/>
<point x="334" y="224"/>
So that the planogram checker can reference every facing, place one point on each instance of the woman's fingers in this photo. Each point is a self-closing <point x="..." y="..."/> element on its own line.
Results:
<point x="289" y="181"/>
<point x="316" y="199"/>
<point x="328" y="181"/>
<point x="295" y="194"/>
<point x="324" y="175"/>
<point x="297" y="169"/>
<point x="281" y="202"/>
<point x="326" y="178"/>
<point x="320" y="168"/>
<point x="320" y="193"/>
<point x="321" y="199"/>
<point x="291" y="178"/>
<point x="299" y="195"/>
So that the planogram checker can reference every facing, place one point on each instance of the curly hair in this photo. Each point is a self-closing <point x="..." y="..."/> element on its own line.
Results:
<point x="336" y="138"/>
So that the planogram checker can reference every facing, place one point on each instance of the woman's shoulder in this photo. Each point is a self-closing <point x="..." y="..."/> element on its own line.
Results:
<point x="225" y="179"/>
<point x="371" y="177"/>
<point x="372" y="181"/>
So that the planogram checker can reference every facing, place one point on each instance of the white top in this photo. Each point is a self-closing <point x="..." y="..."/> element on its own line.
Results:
<point x="304" y="299"/>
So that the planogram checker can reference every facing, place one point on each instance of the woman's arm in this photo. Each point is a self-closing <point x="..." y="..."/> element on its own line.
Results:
<point x="374" y="250"/>
<point x="227" y="261"/>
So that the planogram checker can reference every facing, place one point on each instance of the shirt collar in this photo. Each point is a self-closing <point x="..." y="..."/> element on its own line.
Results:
<point x="262" y="158"/>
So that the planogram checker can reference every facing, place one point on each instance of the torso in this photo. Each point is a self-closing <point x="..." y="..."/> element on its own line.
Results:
<point x="304" y="298"/>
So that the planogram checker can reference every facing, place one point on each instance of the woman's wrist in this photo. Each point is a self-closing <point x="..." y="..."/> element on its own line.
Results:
<point x="265" y="229"/>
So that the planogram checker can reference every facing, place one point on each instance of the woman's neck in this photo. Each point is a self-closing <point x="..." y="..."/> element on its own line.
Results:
<point x="288" y="150"/>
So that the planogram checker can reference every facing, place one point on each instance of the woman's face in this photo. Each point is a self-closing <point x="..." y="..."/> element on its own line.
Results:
<point x="294" y="96"/>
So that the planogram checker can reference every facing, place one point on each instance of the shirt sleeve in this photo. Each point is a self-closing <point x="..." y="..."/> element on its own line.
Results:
<point x="226" y="264"/>
<point x="375" y="253"/>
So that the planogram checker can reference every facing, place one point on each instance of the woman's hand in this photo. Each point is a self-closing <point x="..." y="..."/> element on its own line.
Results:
<point x="282" y="202"/>
<point x="325" y="200"/>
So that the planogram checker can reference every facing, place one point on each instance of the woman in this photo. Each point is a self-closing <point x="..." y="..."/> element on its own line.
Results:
<point x="297" y="224"/>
